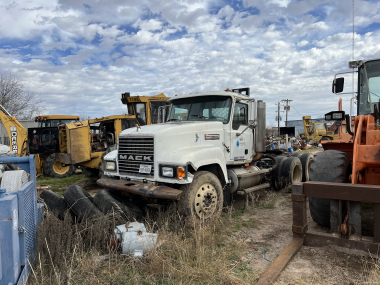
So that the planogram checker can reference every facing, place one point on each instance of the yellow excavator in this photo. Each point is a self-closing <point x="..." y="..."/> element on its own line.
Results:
<point x="316" y="131"/>
<point x="44" y="142"/>
<point x="85" y="143"/>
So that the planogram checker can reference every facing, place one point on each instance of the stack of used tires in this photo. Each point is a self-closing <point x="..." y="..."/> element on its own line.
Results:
<point x="79" y="205"/>
<point x="292" y="169"/>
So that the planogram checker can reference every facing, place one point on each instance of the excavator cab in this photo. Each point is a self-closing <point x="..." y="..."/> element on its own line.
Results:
<point x="55" y="120"/>
<point x="43" y="140"/>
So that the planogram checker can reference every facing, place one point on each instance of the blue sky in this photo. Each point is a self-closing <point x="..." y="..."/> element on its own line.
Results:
<point x="81" y="55"/>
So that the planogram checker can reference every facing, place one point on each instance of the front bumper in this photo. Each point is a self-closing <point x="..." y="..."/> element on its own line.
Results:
<point x="143" y="189"/>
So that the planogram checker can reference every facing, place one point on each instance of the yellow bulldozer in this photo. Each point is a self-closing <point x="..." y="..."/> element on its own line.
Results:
<point x="85" y="143"/>
<point x="41" y="141"/>
<point x="316" y="131"/>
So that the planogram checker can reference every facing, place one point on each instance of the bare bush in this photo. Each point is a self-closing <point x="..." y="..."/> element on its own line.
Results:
<point x="17" y="99"/>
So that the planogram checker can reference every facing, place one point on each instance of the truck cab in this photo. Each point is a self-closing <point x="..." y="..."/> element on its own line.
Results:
<point x="210" y="140"/>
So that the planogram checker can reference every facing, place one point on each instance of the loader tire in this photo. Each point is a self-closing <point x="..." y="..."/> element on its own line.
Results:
<point x="275" y="175"/>
<point x="291" y="171"/>
<point x="203" y="198"/>
<point x="108" y="204"/>
<point x="79" y="202"/>
<point x="306" y="159"/>
<point x="56" y="169"/>
<point x="56" y="204"/>
<point x="326" y="166"/>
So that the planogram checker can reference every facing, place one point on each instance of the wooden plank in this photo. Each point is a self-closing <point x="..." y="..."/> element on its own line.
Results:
<point x="343" y="191"/>
<point x="326" y="240"/>
<point x="376" y="224"/>
<point x="274" y="270"/>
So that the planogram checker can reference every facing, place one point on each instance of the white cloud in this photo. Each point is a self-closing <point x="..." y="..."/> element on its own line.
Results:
<point x="87" y="53"/>
<point x="302" y="43"/>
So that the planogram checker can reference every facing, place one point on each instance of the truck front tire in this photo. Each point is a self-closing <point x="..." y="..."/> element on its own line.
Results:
<point x="203" y="198"/>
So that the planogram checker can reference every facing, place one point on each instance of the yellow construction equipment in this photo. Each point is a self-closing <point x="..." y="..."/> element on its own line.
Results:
<point x="85" y="143"/>
<point x="316" y="131"/>
<point x="55" y="120"/>
<point x="41" y="141"/>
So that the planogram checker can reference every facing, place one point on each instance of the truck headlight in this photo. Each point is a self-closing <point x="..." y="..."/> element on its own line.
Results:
<point x="110" y="165"/>
<point x="337" y="116"/>
<point x="167" y="171"/>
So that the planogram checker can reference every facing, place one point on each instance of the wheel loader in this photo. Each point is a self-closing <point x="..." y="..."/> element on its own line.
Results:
<point x="343" y="178"/>
<point x="41" y="141"/>
<point x="85" y="143"/>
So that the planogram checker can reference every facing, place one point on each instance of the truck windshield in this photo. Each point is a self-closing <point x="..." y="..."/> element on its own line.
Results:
<point x="204" y="108"/>
<point x="369" y="86"/>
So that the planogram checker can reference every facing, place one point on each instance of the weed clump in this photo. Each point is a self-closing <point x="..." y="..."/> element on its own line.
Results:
<point x="187" y="252"/>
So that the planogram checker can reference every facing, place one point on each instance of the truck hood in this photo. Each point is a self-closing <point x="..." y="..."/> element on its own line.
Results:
<point x="178" y="142"/>
<point x="173" y="129"/>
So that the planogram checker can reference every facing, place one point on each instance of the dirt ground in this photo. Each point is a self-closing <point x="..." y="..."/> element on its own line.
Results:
<point x="273" y="233"/>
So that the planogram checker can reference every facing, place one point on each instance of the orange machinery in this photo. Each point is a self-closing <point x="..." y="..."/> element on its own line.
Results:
<point x="343" y="177"/>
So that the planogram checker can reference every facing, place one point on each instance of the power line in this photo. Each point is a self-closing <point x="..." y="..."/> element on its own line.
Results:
<point x="297" y="110"/>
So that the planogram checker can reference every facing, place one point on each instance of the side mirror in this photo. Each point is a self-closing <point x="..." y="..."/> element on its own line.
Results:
<point x="337" y="86"/>
<point x="251" y="124"/>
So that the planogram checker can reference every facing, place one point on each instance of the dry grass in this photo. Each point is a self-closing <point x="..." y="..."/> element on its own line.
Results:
<point x="187" y="253"/>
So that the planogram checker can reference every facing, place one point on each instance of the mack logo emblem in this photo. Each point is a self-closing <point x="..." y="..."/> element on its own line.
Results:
<point x="136" y="157"/>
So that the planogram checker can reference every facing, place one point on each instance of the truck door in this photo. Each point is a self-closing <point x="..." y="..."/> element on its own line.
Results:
<point x="241" y="146"/>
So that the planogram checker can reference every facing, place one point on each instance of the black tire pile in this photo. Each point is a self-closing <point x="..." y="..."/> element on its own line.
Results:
<point x="79" y="205"/>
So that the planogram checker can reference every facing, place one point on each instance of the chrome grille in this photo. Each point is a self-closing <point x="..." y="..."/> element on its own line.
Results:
<point x="135" y="146"/>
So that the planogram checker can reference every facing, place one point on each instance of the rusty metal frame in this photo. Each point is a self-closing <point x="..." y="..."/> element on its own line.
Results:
<point x="339" y="193"/>
<point x="148" y="189"/>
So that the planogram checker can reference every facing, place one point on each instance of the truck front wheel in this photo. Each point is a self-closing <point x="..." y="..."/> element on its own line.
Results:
<point x="203" y="198"/>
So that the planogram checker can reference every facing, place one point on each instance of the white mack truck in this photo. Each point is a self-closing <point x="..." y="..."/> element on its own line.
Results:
<point x="208" y="148"/>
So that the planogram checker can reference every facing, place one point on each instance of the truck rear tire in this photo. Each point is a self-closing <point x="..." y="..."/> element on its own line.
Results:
<point x="306" y="159"/>
<point x="296" y="154"/>
<point x="56" y="169"/>
<point x="291" y="171"/>
<point x="203" y="198"/>
<point x="275" y="175"/>
<point x="79" y="202"/>
<point x="326" y="166"/>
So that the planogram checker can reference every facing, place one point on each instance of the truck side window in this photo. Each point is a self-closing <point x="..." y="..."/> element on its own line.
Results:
<point x="240" y="115"/>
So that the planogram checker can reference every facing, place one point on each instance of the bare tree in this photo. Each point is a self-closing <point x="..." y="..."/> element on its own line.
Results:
<point x="17" y="99"/>
<point x="83" y="117"/>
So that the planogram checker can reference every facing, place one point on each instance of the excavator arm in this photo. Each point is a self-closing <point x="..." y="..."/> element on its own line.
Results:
<point x="18" y="135"/>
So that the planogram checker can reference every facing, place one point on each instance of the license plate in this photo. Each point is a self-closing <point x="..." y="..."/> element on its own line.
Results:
<point x="145" y="168"/>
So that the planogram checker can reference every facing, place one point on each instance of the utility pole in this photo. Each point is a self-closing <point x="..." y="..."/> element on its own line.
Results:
<point x="278" y="117"/>
<point x="287" y="108"/>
